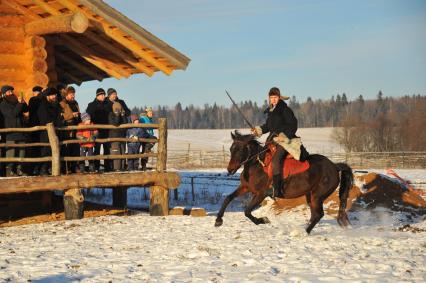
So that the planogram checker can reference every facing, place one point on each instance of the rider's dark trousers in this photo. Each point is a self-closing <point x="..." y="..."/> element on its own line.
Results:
<point x="278" y="161"/>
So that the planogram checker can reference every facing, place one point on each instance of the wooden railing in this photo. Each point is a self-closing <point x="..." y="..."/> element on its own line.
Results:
<point x="54" y="144"/>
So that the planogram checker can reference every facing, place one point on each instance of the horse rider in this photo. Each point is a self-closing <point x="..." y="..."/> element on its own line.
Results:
<point x="282" y="126"/>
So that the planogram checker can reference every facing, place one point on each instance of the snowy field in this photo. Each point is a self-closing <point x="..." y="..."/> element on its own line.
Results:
<point x="318" y="140"/>
<point x="140" y="248"/>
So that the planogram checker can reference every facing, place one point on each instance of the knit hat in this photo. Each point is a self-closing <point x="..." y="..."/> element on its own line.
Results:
<point x="37" y="88"/>
<point x="6" y="88"/>
<point x="100" y="91"/>
<point x="50" y="91"/>
<point x="85" y="117"/>
<point x="117" y="107"/>
<point x="148" y="109"/>
<point x="134" y="117"/>
<point x="111" y="91"/>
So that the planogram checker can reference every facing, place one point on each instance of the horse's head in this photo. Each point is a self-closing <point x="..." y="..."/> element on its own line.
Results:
<point x="242" y="149"/>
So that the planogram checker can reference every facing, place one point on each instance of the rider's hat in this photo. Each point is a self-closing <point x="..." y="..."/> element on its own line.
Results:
<point x="276" y="92"/>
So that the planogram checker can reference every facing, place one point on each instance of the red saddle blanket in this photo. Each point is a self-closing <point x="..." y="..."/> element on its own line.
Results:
<point x="291" y="165"/>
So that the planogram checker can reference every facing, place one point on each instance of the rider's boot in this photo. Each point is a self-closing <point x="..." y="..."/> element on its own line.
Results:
<point x="277" y="183"/>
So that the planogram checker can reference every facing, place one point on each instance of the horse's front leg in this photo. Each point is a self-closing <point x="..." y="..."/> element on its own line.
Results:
<point x="239" y="191"/>
<point x="255" y="201"/>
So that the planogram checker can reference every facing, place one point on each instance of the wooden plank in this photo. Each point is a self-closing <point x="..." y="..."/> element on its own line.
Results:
<point x="111" y="127"/>
<point x="84" y="69"/>
<point x="109" y="140"/>
<point x="107" y="157"/>
<point x="120" y="38"/>
<point x="170" y="180"/>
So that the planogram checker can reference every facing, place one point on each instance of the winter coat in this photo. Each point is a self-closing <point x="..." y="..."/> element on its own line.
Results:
<point x="280" y="119"/>
<point x="98" y="111"/>
<point x="68" y="108"/>
<point x="33" y="106"/>
<point x="87" y="135"/>
<point x="136" y="132"/>
<point x="49" y="112"/>
<point x="12" y="112"/>
<point x="147" y="120"/>
<point x="126" y="109"/>
<point x="117" y="120"/>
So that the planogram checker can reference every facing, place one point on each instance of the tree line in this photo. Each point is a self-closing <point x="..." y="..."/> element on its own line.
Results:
<point x="381" y="124"/>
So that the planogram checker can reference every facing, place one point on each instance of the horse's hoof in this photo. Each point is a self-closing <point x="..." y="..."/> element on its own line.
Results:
<point x="265" y="220"/>
<point x="218" y="223"/>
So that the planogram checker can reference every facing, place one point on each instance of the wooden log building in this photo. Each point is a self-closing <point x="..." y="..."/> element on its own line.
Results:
<point x="46" y="42"/>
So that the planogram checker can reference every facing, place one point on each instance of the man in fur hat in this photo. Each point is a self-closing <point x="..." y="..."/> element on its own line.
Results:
<point x="282" y="126"/>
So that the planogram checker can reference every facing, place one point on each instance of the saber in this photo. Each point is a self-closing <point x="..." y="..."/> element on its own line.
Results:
<point x="239" y="110"/>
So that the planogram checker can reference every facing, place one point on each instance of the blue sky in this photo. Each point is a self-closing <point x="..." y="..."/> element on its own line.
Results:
<point x="306" y="48"/>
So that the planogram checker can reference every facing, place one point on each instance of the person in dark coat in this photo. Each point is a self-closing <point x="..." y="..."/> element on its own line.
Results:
<point x="116" y="118"/>
<point x="12" y="109"/>
<point x="280" y="120"/>
<point x="33" y="106"/>
<point x="113" y="97"/>
<point x="49" y="111"/>
<point x="99" y="110"/>
<point x="72" y="117"/>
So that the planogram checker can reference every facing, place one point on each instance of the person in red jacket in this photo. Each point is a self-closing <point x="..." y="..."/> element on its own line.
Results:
<point x="87" y="146"/>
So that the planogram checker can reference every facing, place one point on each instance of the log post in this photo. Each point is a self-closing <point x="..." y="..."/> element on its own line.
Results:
<point x="159" y="196"/>
<point x="54" y="145"/>
<point x="73" y="204"/>
<point x="119" y="197"/>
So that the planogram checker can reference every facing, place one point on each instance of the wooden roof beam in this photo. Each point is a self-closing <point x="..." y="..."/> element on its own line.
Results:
<point x="89" y="56"/>
<point x="103" y="64"/>
<point x="126" y="57"/>
<point x="18" y="7"/>
<point x="77" y="23"/>
<point x="120" y="38"/>
<point x="78" y="66"/>
<point x="73" y="78"/>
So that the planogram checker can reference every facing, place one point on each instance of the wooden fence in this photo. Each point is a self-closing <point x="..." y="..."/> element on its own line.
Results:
<point x="190" y="159"/>
<point x="159" y="181"/>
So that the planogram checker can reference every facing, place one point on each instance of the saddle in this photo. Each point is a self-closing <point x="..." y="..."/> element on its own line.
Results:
<point x="291" y="165"/>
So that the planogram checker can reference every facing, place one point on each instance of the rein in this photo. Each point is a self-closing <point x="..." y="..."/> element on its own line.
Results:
<point x="255" y="155"/>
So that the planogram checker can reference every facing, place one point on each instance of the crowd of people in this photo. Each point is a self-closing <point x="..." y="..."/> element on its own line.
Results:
<point x="59" y="106"/>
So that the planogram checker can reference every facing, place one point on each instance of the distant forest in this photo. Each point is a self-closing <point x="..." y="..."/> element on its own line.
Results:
<point x="381" y="124"/>
<point x="310" y="114"/>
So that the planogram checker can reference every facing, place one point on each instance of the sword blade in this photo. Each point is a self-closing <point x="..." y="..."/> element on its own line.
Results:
<point x="239" y="110"/>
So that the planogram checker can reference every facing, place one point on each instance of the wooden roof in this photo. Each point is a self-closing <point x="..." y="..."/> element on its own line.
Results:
<point x="111" y="46"/>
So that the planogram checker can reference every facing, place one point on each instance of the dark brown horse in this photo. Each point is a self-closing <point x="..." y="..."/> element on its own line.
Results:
<point x="317" y="183"/>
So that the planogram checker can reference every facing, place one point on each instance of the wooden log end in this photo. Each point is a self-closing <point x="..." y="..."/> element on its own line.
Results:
<point x="73" y="204"/>
<point x="79" y="22"/>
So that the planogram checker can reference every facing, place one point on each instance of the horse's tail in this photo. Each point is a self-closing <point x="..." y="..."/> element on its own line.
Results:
<point x="346" y="182"/>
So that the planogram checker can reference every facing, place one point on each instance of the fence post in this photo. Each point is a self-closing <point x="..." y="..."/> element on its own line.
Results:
<point x="188" y="155"/>
<point x="192" y="189"/>
<point x="159" y="196"/>
<point x="54" y="145"/>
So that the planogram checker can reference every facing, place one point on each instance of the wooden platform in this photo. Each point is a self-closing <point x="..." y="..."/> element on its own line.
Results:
<point x="72" y="185"/>
<point x="170" y="180"/>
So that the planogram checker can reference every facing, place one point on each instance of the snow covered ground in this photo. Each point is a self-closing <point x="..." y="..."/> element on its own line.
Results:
<point x="318" y="140"/>
<point x="141" y="248"/>
<point x="188" y="249"/>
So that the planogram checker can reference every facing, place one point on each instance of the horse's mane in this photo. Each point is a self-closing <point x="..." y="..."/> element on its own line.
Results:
<point x="245" y="138"/>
